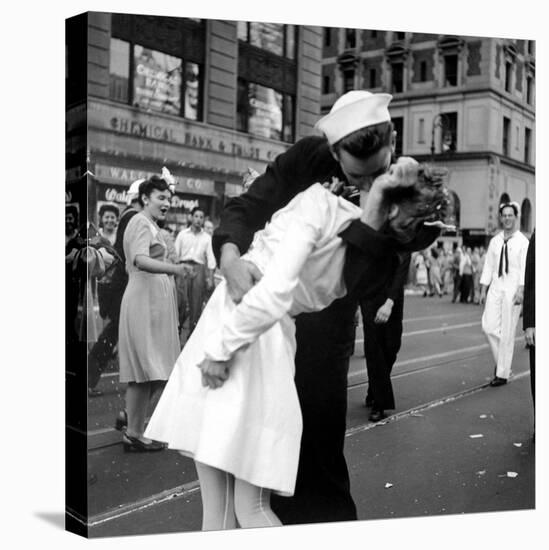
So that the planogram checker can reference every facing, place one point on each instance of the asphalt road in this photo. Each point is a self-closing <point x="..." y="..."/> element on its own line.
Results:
<point x="446" y="449"/>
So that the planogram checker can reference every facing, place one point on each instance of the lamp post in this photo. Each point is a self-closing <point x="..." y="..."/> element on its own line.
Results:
<point x="440" y="120"/>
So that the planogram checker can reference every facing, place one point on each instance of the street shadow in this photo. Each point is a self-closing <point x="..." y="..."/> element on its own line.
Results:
<point x="57" y="519"/>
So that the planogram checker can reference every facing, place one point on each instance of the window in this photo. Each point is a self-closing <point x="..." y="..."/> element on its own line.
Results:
<point x="398" y="125"/>
<point x="423" y="71"/>
<point x="372" y="82"/>
<point x="527" y="144"/>
<point x="506" y="135"/>
<point x="327" y="36"/>
<point x="529" y="89"/>
<point x="530" y="47"/>
<point x="449" y="132"/>
<point x="421" y="131"/>
<point x="265" y="112"/>
<point x="119" y="71"/>
<point x="508" y="75"/>
<point x="326" y="84"/>
<point x="350" y="38"/>
<point x="373" y="34"/>
<point x="348" y="80"/>
<point x="526" y="216"/>
<point x="154" y="81"/>
<point x="400" y="35"/>
<point x="274" y="37"/>
<point x="450" y="70"/>
<point x="397" y="77"/>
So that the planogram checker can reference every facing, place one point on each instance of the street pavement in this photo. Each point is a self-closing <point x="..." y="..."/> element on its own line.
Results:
<point x="453" y="445"/>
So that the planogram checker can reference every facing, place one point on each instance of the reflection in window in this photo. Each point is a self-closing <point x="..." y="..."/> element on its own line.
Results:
<point x="119" y="70"/>
<point x="192" y="91"/>
<point x="157" y="82"/>
<point x="449" y="132"/>
<point x="264" y="112"/>
<point x="274" y="37"/>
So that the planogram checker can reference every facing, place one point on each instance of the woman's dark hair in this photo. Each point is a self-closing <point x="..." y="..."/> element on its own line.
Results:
<point x="71" y="209"/>
<point x="366" y="141"/>
<point x="108" y="208"/>
<point x="149" y="185"/>
<point x="426" y="200"/>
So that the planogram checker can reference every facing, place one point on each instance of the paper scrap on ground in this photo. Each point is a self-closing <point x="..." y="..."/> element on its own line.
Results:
<point x="388" y="485"/>
<point x="476" y="436"/>
<point x="512" y="474"/>
<point x="483" y="416"/>
<point x="517" y="444"/>
<point x="481" y="472"/>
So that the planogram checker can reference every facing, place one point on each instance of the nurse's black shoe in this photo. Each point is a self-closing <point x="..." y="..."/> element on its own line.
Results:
<point x="497" y="381"/>
<point x="121" y="422"/>
<point x="135" y="445"/>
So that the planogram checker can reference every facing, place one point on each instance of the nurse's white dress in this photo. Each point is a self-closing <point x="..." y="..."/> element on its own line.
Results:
<point x="251" y="426"/>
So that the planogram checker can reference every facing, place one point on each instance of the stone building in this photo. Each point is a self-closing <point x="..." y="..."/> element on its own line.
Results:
<point x="206" y="98"/>
<point x="462" y="101"/>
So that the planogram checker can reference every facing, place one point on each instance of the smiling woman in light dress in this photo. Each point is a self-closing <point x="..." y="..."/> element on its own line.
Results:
<point x="231" y="401"/>
<point x="148" y="341"/>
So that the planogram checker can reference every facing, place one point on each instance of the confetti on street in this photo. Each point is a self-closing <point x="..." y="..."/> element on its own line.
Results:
<point x="476" y="436"/>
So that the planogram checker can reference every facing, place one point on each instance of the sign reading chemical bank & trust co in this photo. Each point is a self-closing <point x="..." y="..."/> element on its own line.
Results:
<point x="178" y="131"/>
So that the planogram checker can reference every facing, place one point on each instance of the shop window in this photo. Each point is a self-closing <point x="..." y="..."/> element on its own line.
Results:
<point x="397" y="77"/>
<point x="450" y="70"/>
<point x="119" y="71"/>
<point x="506" y="135"/>
<point x="398" y="126"/>
<point x="527" y="145"/>
<point x="155" y="81"/>
<point x="273" y="37"/>
<point x="265" y="112"/>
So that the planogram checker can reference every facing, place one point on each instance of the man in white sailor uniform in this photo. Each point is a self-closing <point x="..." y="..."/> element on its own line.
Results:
<point x="502" y="287"/>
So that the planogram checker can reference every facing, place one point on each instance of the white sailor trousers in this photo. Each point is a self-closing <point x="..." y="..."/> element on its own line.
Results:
<point x="499" y="323"/>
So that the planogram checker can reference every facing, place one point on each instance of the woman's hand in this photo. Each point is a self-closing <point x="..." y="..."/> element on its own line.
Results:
<point x="214" y="373"/>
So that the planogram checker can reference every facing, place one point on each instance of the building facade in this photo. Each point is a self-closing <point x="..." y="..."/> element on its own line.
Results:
<point x="465" y="102"/>
<point x="208" y="99"/>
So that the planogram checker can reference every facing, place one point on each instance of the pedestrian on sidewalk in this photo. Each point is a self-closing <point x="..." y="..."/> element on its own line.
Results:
<point x="237" y="414"/>
<point x="502" y="287"/>
<point x="110" y="297"/>
<point x="456" y="261"/>
<point x="421" y="272"/>
<point x="434" y="273"/>
<point x="466" y="276"/>
<point x="149" y="344"/>
<point x="382" y="325"/>
<point x="193" y="248"/>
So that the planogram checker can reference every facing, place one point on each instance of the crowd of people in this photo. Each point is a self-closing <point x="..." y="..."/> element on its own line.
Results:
<point x="440" y="271"/>
<point x="256" y="391"/>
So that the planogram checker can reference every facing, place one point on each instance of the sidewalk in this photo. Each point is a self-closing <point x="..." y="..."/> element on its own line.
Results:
<point x="470" y="454"/>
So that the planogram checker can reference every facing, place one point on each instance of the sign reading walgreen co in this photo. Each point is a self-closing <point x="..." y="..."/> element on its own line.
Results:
<point x="178" y="131"/>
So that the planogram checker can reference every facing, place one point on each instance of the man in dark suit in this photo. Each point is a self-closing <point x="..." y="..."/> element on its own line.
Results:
<point x="529" y="310"/>
<point x="357" y="148"/>
<point x="382" y="324"/>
